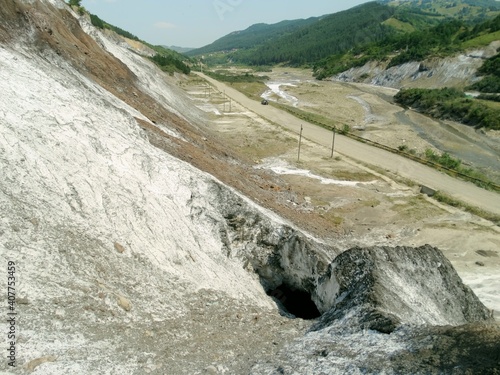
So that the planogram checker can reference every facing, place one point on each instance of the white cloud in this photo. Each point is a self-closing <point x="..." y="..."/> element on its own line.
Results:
<point x="164" y="25"/>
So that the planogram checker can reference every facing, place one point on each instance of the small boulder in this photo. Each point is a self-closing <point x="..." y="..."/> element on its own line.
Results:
<point x="124" y="303"/>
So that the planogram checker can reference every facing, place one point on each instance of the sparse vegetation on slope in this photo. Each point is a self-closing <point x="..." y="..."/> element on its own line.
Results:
<point x="99" y="23"/>
<point x="170" y="64"/>
<point x="451" y="104"/>
<point x="490" y="84"/>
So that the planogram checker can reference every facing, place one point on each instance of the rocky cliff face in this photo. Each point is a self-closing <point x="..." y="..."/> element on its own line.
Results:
<point x="392" y="310"/>
<point x="398" y="286"/>
<point x="458" y="71"/>
<point x="130" y="260"/>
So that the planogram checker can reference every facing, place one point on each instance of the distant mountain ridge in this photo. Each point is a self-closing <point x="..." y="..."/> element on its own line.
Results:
<point x="308" y="41"/>
<point x="179" y="49"/>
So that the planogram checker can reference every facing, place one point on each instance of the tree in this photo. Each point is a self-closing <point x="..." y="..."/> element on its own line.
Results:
<point x="77" y="3"/>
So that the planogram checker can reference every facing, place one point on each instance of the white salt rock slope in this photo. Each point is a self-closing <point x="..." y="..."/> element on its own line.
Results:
<point x="93" y="215"/>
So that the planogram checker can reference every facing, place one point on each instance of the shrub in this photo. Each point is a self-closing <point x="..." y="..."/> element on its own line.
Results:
<point x="345" y="129"/>
<point x="444" y="160"/>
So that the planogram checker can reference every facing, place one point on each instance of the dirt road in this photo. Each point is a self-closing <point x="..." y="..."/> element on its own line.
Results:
<point x="421" y="174"/>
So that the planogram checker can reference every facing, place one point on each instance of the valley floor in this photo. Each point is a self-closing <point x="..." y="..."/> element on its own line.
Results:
<point x="346" y="201"/>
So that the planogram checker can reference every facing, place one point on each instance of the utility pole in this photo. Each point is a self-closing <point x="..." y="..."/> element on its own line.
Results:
<point x="300" y="141"/>
<point x="333" y="141"/>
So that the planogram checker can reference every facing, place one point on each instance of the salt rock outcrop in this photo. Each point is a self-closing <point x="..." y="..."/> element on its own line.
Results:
<point x="395" y="311"/>
<point x="388" y="287"/>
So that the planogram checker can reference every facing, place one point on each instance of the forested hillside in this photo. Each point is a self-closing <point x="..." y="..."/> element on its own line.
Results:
<point x="329" y="35"/>
<point x="255" y="35"/>
<point x="467" y="10"/>
<point x="350" y="38"/>
<point x="448" y="37"/>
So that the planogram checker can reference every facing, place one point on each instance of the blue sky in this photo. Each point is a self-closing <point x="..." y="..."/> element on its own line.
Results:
<point x="196" y="23"/>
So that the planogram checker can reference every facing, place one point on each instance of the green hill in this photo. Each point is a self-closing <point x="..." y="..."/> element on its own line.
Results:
<point x="465" y="10"/>
<point x="448" y="37"/>
<point x="329" y="35"/>
<point x="253" y="36"/>
<point x="316" y="40"/>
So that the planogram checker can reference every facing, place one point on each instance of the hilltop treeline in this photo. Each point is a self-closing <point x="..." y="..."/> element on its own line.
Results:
<point x="255" y="35"/>
<point x="97" y="22"/>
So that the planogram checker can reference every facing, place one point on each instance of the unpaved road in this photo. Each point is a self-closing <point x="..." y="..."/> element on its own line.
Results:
<point x="423" y="175"/>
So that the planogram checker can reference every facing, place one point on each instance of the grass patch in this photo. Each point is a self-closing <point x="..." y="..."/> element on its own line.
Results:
<point x="416" y="208"/>
<point x="450" y="201"/>
<point x="399" y="25"/>
<point x="481" y="41"/>
<point x="335" y="220"/>
<point x="454" y="166"/>
<point x="313" y="118"/>
<point x="251" y="89"/>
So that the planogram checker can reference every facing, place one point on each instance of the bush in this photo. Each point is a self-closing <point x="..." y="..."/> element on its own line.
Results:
<point x="491" y="97"/>
<point x="444" y="160"/>
<point x="489" y="84"/>
<point x="345" y="129"/>
<point x="233" y="78"/>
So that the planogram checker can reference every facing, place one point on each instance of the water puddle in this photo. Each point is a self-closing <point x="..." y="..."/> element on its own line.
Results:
<point x="282" y="168"/>
<point x="275" y="89"/>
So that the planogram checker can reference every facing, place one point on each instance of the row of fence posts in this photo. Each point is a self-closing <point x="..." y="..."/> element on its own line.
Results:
<point x="334" y="131"/>
<point x="208" y="93"/>
<point x="227" y="99"/>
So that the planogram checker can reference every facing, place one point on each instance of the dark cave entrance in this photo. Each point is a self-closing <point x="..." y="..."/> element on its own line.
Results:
<point x="295" y="301"/>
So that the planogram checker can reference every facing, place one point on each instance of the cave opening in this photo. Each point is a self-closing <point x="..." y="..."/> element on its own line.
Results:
<point x="294" y="301"/>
